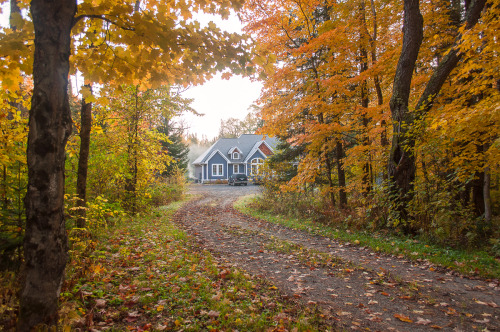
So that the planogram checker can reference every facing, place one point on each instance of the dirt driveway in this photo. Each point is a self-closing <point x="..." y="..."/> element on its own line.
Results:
<point x="354" y="287"/>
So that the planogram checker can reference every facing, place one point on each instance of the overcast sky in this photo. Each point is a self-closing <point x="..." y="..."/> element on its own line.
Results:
<point x="220" y="99"/>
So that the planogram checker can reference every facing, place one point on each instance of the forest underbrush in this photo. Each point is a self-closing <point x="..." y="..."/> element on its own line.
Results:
<point x="361" y="226"/>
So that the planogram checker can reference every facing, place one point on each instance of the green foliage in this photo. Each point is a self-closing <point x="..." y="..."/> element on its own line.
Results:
<point x="175" y="147"/>
<point x="13" y="176"/>
<point x="150" y="274"/>
<point x="170" y="189"/>
<point x="470" y="262"/>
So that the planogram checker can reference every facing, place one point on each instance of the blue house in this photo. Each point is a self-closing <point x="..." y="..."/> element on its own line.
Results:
<point x="227" y="156"/>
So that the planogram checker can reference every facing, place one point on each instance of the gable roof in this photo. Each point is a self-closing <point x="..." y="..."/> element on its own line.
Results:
<point x="255" y="148"/>
<point x="214" y="152"/>
<point x="246" y="143"/>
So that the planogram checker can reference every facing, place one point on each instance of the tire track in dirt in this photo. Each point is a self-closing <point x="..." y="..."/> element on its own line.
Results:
<point x="354" y="287"/>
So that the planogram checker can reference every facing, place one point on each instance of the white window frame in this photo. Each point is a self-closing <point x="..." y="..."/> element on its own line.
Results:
<point x="257" y="162"/>
<point x="217" y="169"/>
<point x="236" y="155"/>
<point x="236" y="168"/>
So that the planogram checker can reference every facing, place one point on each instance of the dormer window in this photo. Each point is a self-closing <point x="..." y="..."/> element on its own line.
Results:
<point x="236" y="155"/>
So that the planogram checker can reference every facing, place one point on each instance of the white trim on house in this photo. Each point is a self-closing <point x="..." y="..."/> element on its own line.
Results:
<point x="213" y="154"/>
<point x="199" y="160"/>
<point x="258" y="164"/>
<point x="256" y="148"/>
<point x="237" y="168"/>
<point x="219" y="170"/>
<point x="235" y="153"/>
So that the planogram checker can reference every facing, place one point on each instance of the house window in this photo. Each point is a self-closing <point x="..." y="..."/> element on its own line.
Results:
<point x="217" y="170"/>
<point x="236" y="169"/>
<point x="236" y="155"/>
<point x="255" y="166"/>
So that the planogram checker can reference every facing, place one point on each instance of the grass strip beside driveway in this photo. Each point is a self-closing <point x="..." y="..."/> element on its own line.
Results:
<point x="147" y="274"/>
<point x="472" y="263"/>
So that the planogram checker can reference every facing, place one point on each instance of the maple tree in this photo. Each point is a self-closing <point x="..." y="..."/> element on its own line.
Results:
<point x="402" y="164"/>
<point x="311" y="92"/>
<point x="157" y="42"/>
<point x="338" y="77"/>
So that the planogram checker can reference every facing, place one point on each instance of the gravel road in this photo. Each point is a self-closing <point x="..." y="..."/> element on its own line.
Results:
<point x="354" y="287"/>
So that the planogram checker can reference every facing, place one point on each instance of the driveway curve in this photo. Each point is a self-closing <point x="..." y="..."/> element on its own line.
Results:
<point x="354" y="287"/>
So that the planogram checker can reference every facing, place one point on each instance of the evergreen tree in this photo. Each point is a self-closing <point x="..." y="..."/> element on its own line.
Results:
<point x="175" y="147"/>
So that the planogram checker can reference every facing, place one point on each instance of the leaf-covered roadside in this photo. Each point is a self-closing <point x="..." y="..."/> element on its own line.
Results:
<point x="147" y="274"/>
<point x="472" y="263"/>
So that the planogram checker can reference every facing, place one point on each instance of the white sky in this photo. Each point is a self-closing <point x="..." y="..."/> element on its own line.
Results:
<point x="220" y="99"/>
<point x="217" y="99"/>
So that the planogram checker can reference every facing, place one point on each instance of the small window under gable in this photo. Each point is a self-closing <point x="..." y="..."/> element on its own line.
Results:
<point x="235" y="153"/>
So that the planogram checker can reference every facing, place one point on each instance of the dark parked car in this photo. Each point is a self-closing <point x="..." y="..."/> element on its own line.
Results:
<point x="238" y="180"/>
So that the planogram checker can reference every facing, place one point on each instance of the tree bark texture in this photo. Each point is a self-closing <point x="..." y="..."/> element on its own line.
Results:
<point x="341" y="174"/>
<point x="365" y="102"/>
<point x="83" y="161"/>
<point x="45" y="244"/>
<point x="401" y="165"/>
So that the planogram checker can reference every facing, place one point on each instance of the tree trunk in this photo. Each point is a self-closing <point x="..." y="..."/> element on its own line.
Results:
<point x="478" y="193"/>
<point x="131" y="183"/>
<point x="83" y="162"/>
<point x="376" y="80"/>
<point x="364" y="38"/>
<point x="330" y="180"/>
<point x="401" y="165"/>
<point x="14" y="10"/>
<point x="45" y="243"/>
<point x="341" y="175"/>
<point x="5" y="200"/>
<point x="486" y="195"/>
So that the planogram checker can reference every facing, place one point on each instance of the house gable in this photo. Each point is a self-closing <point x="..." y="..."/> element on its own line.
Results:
<point x="265" y="149"/>
<point x="217" y="166"/>
<point x="256" y="154"/>
<point x="213" y="154"/>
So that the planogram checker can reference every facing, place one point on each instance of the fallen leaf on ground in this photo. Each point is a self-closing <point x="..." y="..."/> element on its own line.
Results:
<point x="213" y="314"/>
<point x="422" y="321"/>
<point x="403" y="318"/>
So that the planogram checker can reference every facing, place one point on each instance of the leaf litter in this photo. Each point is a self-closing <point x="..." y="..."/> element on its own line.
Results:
<point x="353" y="287"/>
<point x="148" y="275"/>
